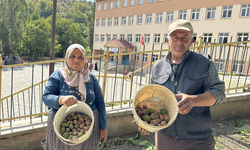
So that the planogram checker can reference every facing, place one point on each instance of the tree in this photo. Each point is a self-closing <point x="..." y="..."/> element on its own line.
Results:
<point x="90" y="22"/>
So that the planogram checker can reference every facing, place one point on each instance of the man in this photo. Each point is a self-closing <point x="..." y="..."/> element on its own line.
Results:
<point x="194" y="80"/>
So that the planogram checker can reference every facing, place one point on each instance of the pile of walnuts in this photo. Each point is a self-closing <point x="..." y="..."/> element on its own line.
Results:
<point x="152" y="117"/>
<point x="74" y="125"/>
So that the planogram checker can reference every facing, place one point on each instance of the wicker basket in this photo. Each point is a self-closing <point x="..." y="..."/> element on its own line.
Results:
<point x="156" y="97"/>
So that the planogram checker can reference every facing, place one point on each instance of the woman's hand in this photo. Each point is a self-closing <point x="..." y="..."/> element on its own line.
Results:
<point x="103" y="135"/>
<point x="67" y="100"/>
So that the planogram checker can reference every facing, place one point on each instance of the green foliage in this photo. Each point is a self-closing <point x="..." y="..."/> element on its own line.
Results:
<point x="147" y="145"/>
<point x="118" y="140"/>
<point x="243" y="132"/>
<point x="103" y="145"/>
<point x="238" y="124"/>
<point x="132" y="141"/>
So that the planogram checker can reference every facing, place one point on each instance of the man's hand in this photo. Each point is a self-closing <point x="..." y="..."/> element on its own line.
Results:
<point x="67" y="100"/>
<point x="186" y="104"/>
<point x="142" y="131"/>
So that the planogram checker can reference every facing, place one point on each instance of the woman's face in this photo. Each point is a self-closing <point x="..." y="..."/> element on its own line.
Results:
<point x="76" y="60"/>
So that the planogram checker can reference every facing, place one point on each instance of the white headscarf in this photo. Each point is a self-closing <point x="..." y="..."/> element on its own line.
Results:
<point x="76" y="78"/>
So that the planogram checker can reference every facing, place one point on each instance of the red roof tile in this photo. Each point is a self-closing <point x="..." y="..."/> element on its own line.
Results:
<point x="122" y="43"/>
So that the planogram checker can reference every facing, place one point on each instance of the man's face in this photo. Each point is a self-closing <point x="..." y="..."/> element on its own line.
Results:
<point x="180" y="41"/>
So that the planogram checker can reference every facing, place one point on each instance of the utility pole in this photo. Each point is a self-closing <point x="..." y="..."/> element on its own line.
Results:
<point x="52" y="45"/>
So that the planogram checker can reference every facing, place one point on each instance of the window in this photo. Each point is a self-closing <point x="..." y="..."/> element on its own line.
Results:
<point x="154" y="57"/>
<point x="116" y="21"/>
<point x="136" y="57"/>
<point x="219" y="64"/>
<point x="102" y="38"/>
<point x="150" y="1"/>
<point x="123" y="37"/>
<point x="115" y="36"/>
<point x="104" y="6"/>
<point x="130" y="38"/>
<point x="160" y="0"/>
<point x="139" y="19"/>
<point x="195" y="14"/>
<point x="103" y="22"/>
<point x="207" y="37"/>
<point x="117" y="4"/>
<point x="137" y="38"/>
<point x="98" y="22"/>
<point x="131" y="19"/>
<point x="195" y="37"/>
<point x="125" y="3"/>
<point x="111" y="5"/>
<point x="148" y="18"/>
<point x="145" y="57"/>
<point x="108" y="37"/>
<point x="211" y="13"/>
<point x="141" y="2"/>
<point x="183" y="14"/>
<point x="165" y="38"/>
<point x="110" y="22"/>
<point x="158" y="17"/>
<point x="245" y="10"/>
<point x="147" y="38"/>
<point x="96" y="37"/>
<point x="223" y="37"/>
<point x="157" y="38"/>
<point x="242" y="37"/>
<point x="123" y="20"/>
<point x="132" y="2"/>
<point x="238" y="66"/>
<point x="99" y="7"/>
<point x="227" y="11"/>
<point x="170" y="16"/>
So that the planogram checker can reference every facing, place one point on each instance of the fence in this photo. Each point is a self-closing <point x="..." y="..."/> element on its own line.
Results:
<point x="23" y="84"/>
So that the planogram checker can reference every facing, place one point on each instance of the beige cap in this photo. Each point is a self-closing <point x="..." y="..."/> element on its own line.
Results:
<point x="180" y="24"/>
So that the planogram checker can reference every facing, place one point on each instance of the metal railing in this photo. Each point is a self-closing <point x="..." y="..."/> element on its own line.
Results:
<point x="23" y="84"/>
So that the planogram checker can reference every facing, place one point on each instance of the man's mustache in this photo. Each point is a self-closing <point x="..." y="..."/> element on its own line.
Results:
<point x="179" y="46"/>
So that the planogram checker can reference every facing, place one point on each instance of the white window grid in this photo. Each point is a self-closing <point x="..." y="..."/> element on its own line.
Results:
<point x="195" y="14"/>
<point x="111" y="5"/>
<point x="158" y="17"/>
<point x="139" y="19"/>
<point x="147" y="38"/>
<point x="157" y="38"/>
<point x="96" y="38"/>
<point x="160" y="0"/>
<point x="132" y="2"/>
<point x="183" y="14"/>
<point x="108" y="37"/>
<point x="117" y="5"/>
<point x="136" y="57"/>
<point x="219" y="64"/>
<point x="154" y="57"/>
<point x="104" y="6"/>
<point x="170" y="16"/>
<point x="137" y="38"/>
<point x="195" y="36"/>
<point x="125" y="3"/>
<point x="102" y="38"/>
<point x="165" y="38"/>
<point x="150" y="1"/>
<point x="103" y="22"/>
<point x="238" y="66"/>
<point x="115" y="36"/>
<point x="116" y="21"/>
<point x="211" y="13"/>
<point x="242" y="37"/>
<point x="145" y="57"/>
<point x="207" y="37"/>
<point x="141" y="2"/>
<point x="148" y="18"/>
<point x="123" y="20"/>
<point x="131" y="19"/>
<point x="98" y="22"/>
<point x="130" y="38"/>
<point x="223" y="38"/>
<point x="110" y="22"/>
<point x="227" y="11"/>
<point x="122" y="37"/>
<point x="99" y="7"/>
<point x="245" y="10"/>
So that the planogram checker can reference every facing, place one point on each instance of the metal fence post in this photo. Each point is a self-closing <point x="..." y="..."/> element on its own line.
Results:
<point x="0" y="87"/>
<point x="106" y="70"/>
<point x="199" y="44"/>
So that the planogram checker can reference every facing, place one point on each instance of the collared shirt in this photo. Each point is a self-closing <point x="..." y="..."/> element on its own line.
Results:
<point x="211" y="80"/>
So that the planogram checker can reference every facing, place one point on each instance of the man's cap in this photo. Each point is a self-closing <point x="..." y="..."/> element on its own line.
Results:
<point x="180" y="24"/>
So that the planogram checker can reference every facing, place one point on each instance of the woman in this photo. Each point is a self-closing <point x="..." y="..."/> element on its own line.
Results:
<point x="67" y="86"/>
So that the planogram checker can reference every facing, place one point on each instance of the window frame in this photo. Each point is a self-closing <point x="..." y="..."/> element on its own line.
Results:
<point x="181" y="13"/>
<point x="125" y="3"/>
<point x="208" y="36"/>
<point x="108" y="37"/>
<point x="130" y="20"/>
<point x="171" y="16"/>
<point x="212" y="12"/>
<point x="97" y="38"/>
<point x="146" y="38"/>
<point x="139" y="18"/>
<point x="104" y="22"/>
<point x="104" y="6"/>
<point x="159" y="17"/>
<point x="124" y="22"/>
<point x="196" y="13"/>
<point x="137" y="57"/>
<point x="141" y="2"/>
<point x="111" y="4"/>
<point x="130" y="38"/>
<point x="114" y="36"/>
<point x="223" y="36"/>
<point x="137" y="38"/>
<point x="110" y="21"/>
<point x="116" y="22"/>
<point x="247" y="12"/>
<point x="117" y="4"/>
<point x="144" y="57"/>
<point x="102" y="37"/>
<point x="122" y="37"/>
<point x="155" y="58"/>
<point x="97" y="22"/>
<point x="148" y="17"/>
<point x="157" y="38"/>
<point x="98" y="7"/>
<point x="227" y="11"/>
<point x="132" y="2"/>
